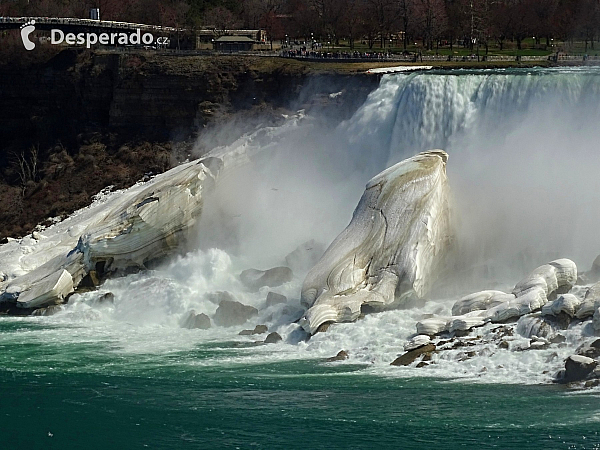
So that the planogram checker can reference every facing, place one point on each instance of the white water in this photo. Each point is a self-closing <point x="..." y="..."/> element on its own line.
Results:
<point x="524" y="162"/>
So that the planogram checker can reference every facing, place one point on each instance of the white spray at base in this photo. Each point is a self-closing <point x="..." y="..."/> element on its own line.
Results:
<point x="523" y="167"/>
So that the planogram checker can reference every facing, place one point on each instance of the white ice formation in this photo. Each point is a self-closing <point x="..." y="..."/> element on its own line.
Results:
<point x="530" y="294"/>
<point x="590" y="302"/>
<point x="129" y="229"/>
<point x="566" y="303"/>
<point x="397" y="236"/>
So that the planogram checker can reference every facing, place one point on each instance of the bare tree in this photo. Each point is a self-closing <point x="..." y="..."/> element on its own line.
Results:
<point x="432" y="20"/>
<point x="27" y="166"/>
<point x="406" y="13"/>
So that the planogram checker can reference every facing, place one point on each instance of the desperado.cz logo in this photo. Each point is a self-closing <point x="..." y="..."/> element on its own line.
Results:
<point x="89" y="39"/>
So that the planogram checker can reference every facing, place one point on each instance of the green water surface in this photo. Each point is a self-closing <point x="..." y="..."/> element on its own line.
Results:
<point x="79" y="394"/>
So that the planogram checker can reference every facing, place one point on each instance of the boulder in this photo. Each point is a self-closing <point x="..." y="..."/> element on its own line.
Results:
<point x="418" y="341"/>
<point x="534" y="325"/>
<point x="398" y="236"/>
<point x="558" y="339"/>
<point x="231" y="313"/>
<point x="273" y="338"/>
<point x="341" y="356"/>
<point x="577" y="368"/>
<point x="594" y="274"/>
<point x="566" y="303"/>
<point x="274" y="298"/>
<point x="323" y="327"/>
<point x="106" y="299"/>
<point x="258" y="329"/>
<point x="254" y="279"/>
<point x="591" y="351"/>
<point x="466" y="321"/>
<point x="217" y="297"/>
<point x="432" y="326"/>
<point x="480" y="301"/>
<point x="90" y="281"/>
<point x="596" y="319"/>
<point x="47" y="311"/>
<point x="305" y="256"/>
<point x="410" y="356"/>
<point x="191" y="320"/>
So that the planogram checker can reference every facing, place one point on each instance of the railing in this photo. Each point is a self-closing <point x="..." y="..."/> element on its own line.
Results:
<point x="71" y="21"/>
<point x="369" y="56"/>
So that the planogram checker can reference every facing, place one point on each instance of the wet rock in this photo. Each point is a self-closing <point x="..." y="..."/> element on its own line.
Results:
<point x="432" y="325"/>
<point x="273" y="338"/>
<point x="557" y="339"/>
<point x="106" y="299"/>
<point x="341" y="356"/>
<point x="230" y="313"/>
<point x="195" y="321"/>
<point x="274" y="298"/>
<point x="422" y="364"/>
<point x="90" y="281"/>
<point x="480" y="301"/>
<point x="410" y="356"/>
<point x="589" y="351"/>
<point x="590" y="302"/>
<point x="254" y="279"/>
<point x="48" y="311"/>
<point x="504" y="331"/>
<point x="596" y="319"/>
<point x="592" y="383"/>
<point x="465" y="322"/>
<point x="418" y="341"/>
<point x="323" y="327"/>
<point x="594" y="274"/>
<point x="305" y="256"/>
<point x="504" y="345"/>
<point x="562" y="320"/>
<point x="567" y="304"/>
<point x="529" y="326"/>
<point x="577" y="368"/>
<point x="258" y="329"/>
<point x="218" y="296"/>
<point x="538" y="344"/>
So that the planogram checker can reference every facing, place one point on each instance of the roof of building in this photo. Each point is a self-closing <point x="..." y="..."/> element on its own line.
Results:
<point x="234" y="39"/>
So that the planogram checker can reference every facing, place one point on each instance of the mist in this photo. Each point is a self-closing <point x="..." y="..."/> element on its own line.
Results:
<point x="523" y="168"/>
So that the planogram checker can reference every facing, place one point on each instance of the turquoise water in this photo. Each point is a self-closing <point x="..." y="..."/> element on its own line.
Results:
<point x="79" y="393"/>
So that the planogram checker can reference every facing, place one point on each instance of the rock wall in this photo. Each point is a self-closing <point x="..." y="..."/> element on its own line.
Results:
<point x="157" y="97"/>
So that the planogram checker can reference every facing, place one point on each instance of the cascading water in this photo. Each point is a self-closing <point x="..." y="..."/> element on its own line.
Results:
<point x="523" y="167"/>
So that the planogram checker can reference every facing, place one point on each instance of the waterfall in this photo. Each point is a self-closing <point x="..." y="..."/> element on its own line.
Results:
<point x="524" y="154"/>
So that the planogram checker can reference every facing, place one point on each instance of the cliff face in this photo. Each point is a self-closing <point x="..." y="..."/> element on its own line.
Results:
<point x="153" y="96"/>
<point x="100" y="119"/>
